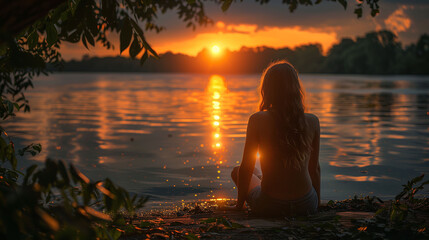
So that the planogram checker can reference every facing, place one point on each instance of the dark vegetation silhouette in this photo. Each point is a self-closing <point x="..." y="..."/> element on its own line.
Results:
<point x="375" y="53"/>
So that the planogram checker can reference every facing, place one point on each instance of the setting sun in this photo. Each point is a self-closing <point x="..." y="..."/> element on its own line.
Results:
<point x="215" y="49"/>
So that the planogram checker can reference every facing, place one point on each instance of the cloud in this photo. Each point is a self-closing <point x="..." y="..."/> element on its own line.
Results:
<point x="220" y="24"/>
<point x="398" y="21"/>
<point x="243" y="28"/>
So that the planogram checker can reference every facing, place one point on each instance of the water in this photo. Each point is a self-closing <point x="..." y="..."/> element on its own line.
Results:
<point x="177" y="136"/>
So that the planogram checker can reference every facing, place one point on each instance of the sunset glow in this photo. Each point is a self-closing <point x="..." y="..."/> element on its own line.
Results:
<point x="215" y="50"/>
<point x="229" y="37"/>
<point x="234" y="37"/>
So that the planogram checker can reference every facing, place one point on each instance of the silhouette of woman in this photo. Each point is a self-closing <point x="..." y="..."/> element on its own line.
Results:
<point x="288" y="143"/>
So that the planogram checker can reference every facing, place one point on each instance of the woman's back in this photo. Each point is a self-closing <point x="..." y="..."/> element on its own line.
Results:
<point x="288" y="142"/>
<point x="281" y="182"/>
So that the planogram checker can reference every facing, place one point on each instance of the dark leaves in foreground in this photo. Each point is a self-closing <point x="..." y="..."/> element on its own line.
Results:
<point x="58" y="201"/>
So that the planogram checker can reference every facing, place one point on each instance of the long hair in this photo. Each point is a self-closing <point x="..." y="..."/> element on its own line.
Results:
<point x="282" y="94"/>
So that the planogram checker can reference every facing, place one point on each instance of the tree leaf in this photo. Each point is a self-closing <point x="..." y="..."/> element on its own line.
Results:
<point x="226" y="4"/>
<point x="28" y="173"/>
<point x="358" y="12"/>
<point x="89" y="38"/>
<point x="417" y="179"/>
<point x="63" y="172"/>
<point x="74" y="37"/>
<point x="37" y="147"/>
<point x="125" y="35"/>
<point x="149" y="48"/>
<point x="84" y="41"/>
<point x="135" y="47"/>
<point x="16" y="106"/>
<point x="10" y="107"/>
<point x="144" y="57"/>
<point x="344" y="3"/>
<point x="374" y="12"/>
<point x="51" y="34"/>
<point x="13" y="161"/>
<point x="33" y="38"/>
<point x="91" y="211"/>
<point x="49" y="220"/>
<point x="137" y="28"/>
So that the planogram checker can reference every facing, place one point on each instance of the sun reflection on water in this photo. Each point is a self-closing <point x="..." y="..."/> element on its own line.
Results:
<point x="216" y="89"/>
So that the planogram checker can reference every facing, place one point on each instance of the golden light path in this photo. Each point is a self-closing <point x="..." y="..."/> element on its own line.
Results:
<point x="215" y="90"/>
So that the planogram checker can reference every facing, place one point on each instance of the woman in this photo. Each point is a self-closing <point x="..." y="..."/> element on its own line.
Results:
<point x="288" y="143"/>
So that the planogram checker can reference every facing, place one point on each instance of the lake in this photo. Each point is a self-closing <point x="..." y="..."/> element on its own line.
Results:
<point x="178" y="136"/>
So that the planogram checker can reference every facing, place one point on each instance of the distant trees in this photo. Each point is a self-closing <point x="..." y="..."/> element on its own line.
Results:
<point x="375" y="53"/>
<point x="378" y="53"/>
<point x="415" y="58"/>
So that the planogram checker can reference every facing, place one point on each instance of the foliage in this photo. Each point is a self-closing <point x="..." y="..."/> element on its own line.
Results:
<point x="372" y="54"/>
<point x="404" y="202"/>
<point x="397" y="219"/>
<point x="378" y="53"/>
<point x="19" y="64"/>
<point x="9" y="175"/>
<point x="59" y="202"/>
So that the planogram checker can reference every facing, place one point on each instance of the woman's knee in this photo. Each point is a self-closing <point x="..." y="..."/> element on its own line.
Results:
<point x="234" y="173"/>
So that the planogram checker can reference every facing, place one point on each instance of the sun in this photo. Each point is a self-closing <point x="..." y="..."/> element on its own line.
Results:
<point x="215" y="49"/>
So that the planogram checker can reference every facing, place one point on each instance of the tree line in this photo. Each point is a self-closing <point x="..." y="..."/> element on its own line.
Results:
<point x="375" y="53"/>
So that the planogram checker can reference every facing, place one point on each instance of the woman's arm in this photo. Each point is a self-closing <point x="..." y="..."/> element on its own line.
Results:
<point x="313" y="165"/>
<point x="248" y="162"/>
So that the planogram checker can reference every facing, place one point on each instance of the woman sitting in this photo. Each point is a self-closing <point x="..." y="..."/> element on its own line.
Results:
<point x="288" y="142"/>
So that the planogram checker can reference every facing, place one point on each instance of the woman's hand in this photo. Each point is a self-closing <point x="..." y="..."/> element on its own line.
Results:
<point x="231" y="208"/>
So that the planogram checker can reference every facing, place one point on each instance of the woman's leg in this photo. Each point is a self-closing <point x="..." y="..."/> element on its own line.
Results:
<point x="255" y="181"/>
<point x="257" y="172"/>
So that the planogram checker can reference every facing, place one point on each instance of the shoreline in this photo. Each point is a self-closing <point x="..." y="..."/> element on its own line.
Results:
<point x="350" y="218"/>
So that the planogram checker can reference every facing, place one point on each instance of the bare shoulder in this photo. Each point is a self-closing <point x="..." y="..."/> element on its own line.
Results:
<point x="260" y="116"/>
<point x="311" y="116"/>
<point x="313" y="120"/>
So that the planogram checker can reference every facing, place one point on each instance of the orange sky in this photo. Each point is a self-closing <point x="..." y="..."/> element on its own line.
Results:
<point x="233" y="37"/>
<point x="226" y="36"/>
<point x="251" y="25"/>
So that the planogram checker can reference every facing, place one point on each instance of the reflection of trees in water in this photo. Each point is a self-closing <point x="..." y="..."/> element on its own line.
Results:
<point x="423" y="103"/>
<point x="382" y="104"/>
<point x="365" y="128"/>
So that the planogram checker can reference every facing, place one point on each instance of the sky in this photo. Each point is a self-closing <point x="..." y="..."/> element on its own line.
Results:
<point x="249" y="24"/>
